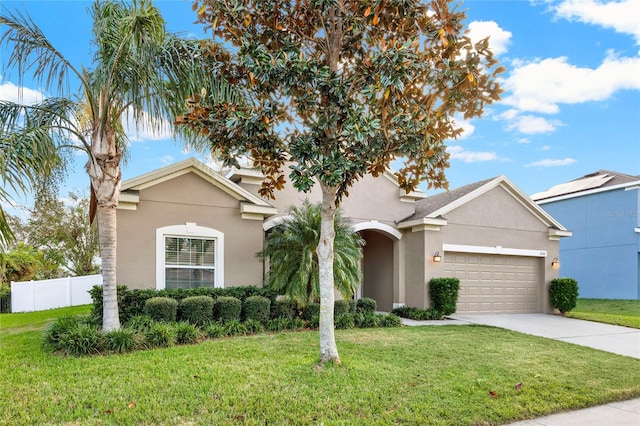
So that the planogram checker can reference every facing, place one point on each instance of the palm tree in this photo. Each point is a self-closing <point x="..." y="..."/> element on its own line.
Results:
<point x="139" y="70"/>
<point x="293" y="260"/>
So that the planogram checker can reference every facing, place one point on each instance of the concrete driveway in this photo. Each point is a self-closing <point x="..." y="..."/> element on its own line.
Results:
<point x="610" y="338"/>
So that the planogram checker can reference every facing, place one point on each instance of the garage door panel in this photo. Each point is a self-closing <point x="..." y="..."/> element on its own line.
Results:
<point x="495" y="283"/>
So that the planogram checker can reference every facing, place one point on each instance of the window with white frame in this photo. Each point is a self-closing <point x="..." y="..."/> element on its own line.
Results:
<point x="189" y="256"/>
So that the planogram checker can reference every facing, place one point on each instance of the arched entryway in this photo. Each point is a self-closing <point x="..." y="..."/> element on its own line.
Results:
<point x="378" y="267"/>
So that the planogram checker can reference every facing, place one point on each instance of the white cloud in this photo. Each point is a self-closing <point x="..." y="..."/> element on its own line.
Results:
<point x="465" y="125"/>
<point x="531" y="125"/>
<point x="11" y="92"/>
<point x="622" y="16"/>
<point x="523" y="141"/>
<point x="166" y="159"/>
<point x="499" y="39"/>
<point x="545" y="148"/>
<point x="542" y="85"/>
<point x="458" y="153"/>
<point x="549" y="162"/>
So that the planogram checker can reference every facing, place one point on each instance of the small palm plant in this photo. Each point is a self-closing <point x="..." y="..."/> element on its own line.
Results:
<point x="291" y="251"/>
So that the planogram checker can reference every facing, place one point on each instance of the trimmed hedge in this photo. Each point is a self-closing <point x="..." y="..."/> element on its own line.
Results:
<point x="417" y="313"/>
<point x="366" y="304"/>
<point x="227" y="308"/>
<point x="256" y="308"/>
<point x="197" y="309"/>
<point x="310" y="311"/>
<point x="284" y="309"/>
<point x="163" y="309"/>
<point x="340" y="307"/>
<point x="563" y="294"/>
<point x="131" y="302"/>
<point x="444" y="294"/>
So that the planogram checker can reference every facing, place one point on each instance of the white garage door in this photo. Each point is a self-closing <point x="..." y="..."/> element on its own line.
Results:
<point x="494" y="283"/>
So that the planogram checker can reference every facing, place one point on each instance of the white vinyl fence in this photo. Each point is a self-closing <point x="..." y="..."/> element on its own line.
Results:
<point x="29" y="296"/>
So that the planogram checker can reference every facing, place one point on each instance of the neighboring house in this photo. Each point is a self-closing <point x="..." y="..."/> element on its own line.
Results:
<point x="604" y="253"/>
<point x="186" y="225"/>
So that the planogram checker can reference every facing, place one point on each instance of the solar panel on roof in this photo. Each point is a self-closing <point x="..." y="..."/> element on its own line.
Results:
<point x="573" y="186"/>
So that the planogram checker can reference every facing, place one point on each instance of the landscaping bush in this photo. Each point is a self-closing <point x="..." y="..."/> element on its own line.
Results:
<point x="55" y="334"/>
<point x="352" y="306"/>
<point x="366" y="320"/>
<point x="256" y="308"/>
<point x="417" y="313"/>
<point x="83" y="339"/>
<point x="227" y="308"/>
<point x="310" y="310"/>
<point x="444" y="294"/>
<point x="297" y="324"/>
<point x="234" y="328"/>
<point x="196" y="309"/>
<point x="140" y="323"/>
<point x="563" y="294"/>
<point x="254" y="326"/>
<point x="187" y="333"/>
<point x="214" y="330"/>
<point x="314" y="322"/>
<point x="390" y="320"/>
<point x="340" y="307"/>
<point x="344" y="321"/>
<point x="121" y="341"/>
<point x="5" y="298"/>
<point x="161" y="335"/>
<point x="161" y="309"/>
<point x="284" y="309"/>
<point x="278" y="324"/>
<point x="366" y="304"/>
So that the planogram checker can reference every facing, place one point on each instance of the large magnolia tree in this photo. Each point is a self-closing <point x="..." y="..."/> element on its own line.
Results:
<point x="138" y="70"/>
<point x="341" y="88"/>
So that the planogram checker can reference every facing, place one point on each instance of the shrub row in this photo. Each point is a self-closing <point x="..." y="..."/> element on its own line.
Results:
<point x="77" y="336"/>
<point x="444" y="298"/>
<point x="417" y="313"/>
<point x="131" y="302"/>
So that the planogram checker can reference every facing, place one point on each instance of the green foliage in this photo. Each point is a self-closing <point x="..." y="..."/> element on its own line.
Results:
<point x="444" y="294"/>
<point x="71" y="336"/>
<point x="344" y="321"/>
<point x="367" y="320"/>
<point x="197" y="309"/>
<point x="366" y="304"/>
<point x="340" y="307"/>
<point x="234" y="328"/>
<point x="314" y="322"/>
<point x="26" y="263"/>
<point x="54" y="336"/>
<point x="214" y="330"/>
<point x="284" y="309"/>
<point x="227" y="309"/>
<point x="122" y="340"/>
<point x="254" y="326"/>
<point x="390" y="320"/>
<point x="161" y="309"/>
<point x="310" y="310"/>
<point x="563" y="294"/>
<point x="278" y="324"/>
<point x="296" y="324"/>
<point x="186" y="333"/>
<point x="140" y="323"/>
<point x="161" y="335"/>
<point x="293" y="261"/>
<point x="5" y="298"/>
<point x="417" y="313"/>
<point x="256" y="308"/>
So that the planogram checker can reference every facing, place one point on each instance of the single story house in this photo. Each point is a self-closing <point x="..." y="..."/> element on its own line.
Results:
<point x="186" y="225"/>
<point x="601" y="209"/>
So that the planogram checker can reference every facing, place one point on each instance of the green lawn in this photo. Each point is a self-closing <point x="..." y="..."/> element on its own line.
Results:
<point x="438" y="375"/>
<point x="618" y="312"/>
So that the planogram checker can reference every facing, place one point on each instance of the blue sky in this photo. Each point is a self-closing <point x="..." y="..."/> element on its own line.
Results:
<point x="571" y="105"/>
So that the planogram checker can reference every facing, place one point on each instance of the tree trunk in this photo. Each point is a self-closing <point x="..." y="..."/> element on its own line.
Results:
<point x="104" y="170"/>
<point x="328" y="348"/>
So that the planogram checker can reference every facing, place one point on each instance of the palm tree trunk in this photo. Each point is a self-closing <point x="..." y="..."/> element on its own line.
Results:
<point x="328" y="348"/>
<point x="108" y="243"/>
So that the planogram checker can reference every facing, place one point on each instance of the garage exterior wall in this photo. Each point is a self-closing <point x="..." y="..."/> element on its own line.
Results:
<point x="493" y="223"/>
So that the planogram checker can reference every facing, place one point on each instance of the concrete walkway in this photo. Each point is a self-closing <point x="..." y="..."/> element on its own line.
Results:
<point x="611" y="338"/>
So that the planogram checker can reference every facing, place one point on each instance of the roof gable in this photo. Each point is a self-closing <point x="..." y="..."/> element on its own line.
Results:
<point x="434" y="208"/>
<point x="251" y="205"/>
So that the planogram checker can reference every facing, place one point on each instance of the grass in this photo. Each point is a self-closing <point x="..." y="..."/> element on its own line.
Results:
<point x="412" y="375"/>
<point x="617" y="312"/>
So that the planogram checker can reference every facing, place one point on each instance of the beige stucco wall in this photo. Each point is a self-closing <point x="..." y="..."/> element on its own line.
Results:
<point x="493" y="219"/>
<point x="378" y="269"/>
<point x="187" y="198"/>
